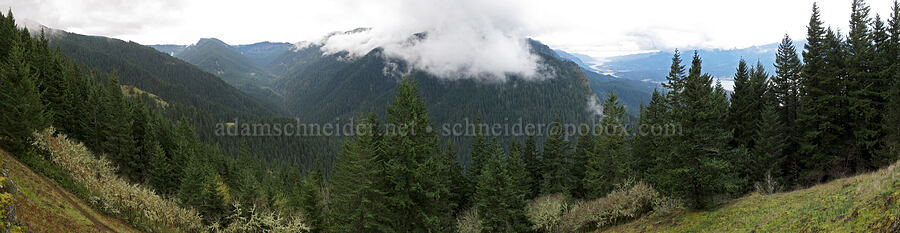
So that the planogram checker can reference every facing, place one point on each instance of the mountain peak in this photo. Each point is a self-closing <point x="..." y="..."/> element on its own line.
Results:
<point x="206" y="41"/>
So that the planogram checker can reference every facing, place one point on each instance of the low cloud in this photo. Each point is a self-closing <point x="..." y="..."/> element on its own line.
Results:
<point x="594" y="106"/>
<point x="452" y="40"/>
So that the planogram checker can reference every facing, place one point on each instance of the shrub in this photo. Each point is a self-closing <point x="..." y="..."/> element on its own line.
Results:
<point x="468" y="221"/>
<point x="768" y="185"/>
<point x="622" y="204"/>
<point x="255" y="220"/>
<point x="546" y="212"/>
<point x="110" y="193"/>
<point x="666" y="205"/>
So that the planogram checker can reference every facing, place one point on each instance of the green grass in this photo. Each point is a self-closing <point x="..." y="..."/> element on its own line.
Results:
<point x="863" y="203"/>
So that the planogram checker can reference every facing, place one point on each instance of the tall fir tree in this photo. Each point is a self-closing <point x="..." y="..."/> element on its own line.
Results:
<point x="822" y="103"/>
<point x="786" y="91"/>
<point x="519" y="185"/>
<point x="311" y="197"/>
<point x="743" y="112"/>
<point x="460" y="191"/>
<point x="500" y="205"/>
<point x="23" y="111"/>
<point x="556" y="172"/>
<point x="770" y="143"/>
<point x="7" y="27"/>
<point x="116" y="124"/>
<point x="198" y="188"/>
<point x="701" y="164"/>
<point x="533" y="165"/>
<point x="867" y="90"/>
<point x="649" y="146"/>
<point x="675" y="81"/>
<point x="357" y="198"/>
<point x="415" y="187"/>
<point x="479" y="148"/>
<point x="609" y="162"/>
<point x="584" y="152"/>
<point x="893" y="71"/>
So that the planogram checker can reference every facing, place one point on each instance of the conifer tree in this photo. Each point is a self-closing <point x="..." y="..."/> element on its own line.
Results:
<point x="246" y="184"/>
<point x="479" y="149"/>
<point x="311" y="197"/>
<point x="786" y="91"/>
<point x="198" y="188"/>
<point x="648" y="150"/>
<point x="357" y="198"/>
<point x="116" y="123"/>
<point x="675" y="81"/>
<point x="701" y="166"/>
<point x="459" y="183"/>
<point x="7" y="28"/>
<point x="23" y="111"/>
<point x="416" y="190"/>
<point x="770" y="144"/>
<point x="533" y="166"/>
<point x="741" y="115"/>
<point x="866" y="89"/>
<point x="821" y="102"/>
<point x="892" y="55"/>
<point x="609" y="161"/>
<point x="518" y="171"/>
<point x="556" y="175"/>
<point x="519" y="186"/>
<point x="584" y="152"/>
<point x="499" y="204"/>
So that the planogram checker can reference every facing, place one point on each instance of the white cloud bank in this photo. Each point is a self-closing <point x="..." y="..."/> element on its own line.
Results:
<point x="459" y="39"/>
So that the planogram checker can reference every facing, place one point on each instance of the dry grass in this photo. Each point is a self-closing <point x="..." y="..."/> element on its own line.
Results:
<point x="133" y="91"/>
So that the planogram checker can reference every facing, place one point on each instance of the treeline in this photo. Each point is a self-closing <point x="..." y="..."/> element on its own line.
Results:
<point x="201" y="98"/>
<point x="831" y="114"/>
<point x="400" y="170"/>
<point x="40" y="87"/>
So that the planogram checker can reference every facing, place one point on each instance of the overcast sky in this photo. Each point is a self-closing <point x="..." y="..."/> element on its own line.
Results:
<point x="596" y="28"/>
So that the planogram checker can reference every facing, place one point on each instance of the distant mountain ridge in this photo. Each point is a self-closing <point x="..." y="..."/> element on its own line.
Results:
<point x="720" y="63"/>
<point x="283" y="62"/>
<point x="240" y="66"/>
<point x="654" y="66"/>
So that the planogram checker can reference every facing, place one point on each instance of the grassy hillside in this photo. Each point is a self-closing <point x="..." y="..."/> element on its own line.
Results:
<point x="863" y="203"/>
<point x="45" y="207"/>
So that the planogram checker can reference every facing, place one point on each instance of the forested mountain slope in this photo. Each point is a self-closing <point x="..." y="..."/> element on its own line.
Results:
<point x="234" y="66"/>
<point x="170" y="78"/>
<point x="325" y="87"/>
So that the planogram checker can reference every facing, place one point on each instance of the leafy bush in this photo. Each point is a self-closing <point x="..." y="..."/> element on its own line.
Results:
<point x="622" y="204"/>
<point x="554" y="213"/>
<point x="110" y="193"/>
<point x="468" y="221"/>
<point x="254" y="220"/>
<point x="546" y="212"/>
